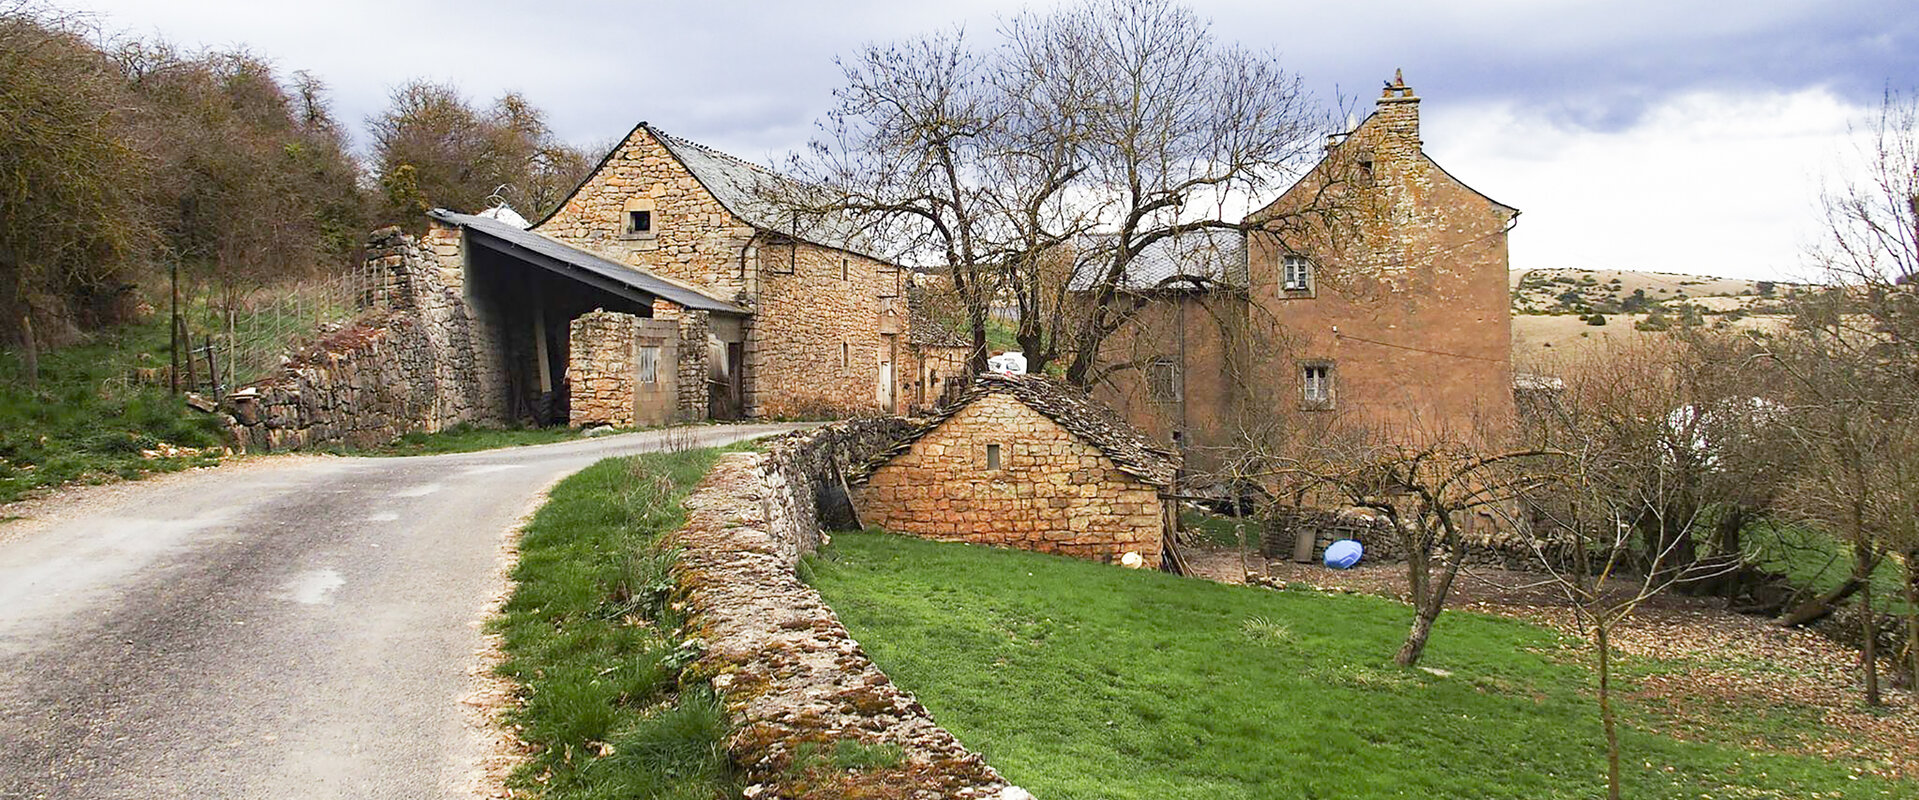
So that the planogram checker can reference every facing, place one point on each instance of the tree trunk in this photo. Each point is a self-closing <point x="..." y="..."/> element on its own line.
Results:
<point x="1606" y="720"/>
<point x="1415" y="645"/>
<point x="29" y="348"/>
<point x="1912" y="620"/>
<point x="1820" y="607"/>
<point x="1869" y="625"/>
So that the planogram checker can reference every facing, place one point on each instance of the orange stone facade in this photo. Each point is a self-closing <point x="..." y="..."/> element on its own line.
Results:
<point x="1049" y="491"/>
<point x="1404" y="311"/>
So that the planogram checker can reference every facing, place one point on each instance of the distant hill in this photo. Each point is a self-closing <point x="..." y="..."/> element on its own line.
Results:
<point x="1556" y="310"/>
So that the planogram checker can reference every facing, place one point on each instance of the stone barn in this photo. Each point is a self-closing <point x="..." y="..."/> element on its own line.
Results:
<point x="1024" y="461"/>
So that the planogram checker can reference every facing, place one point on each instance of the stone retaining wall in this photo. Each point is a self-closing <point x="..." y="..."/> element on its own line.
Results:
<point x="792" y="679"/>
<point x="416" y="359"/>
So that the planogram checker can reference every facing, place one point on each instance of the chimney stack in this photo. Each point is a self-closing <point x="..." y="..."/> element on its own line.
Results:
<point x="1399" y="108"/>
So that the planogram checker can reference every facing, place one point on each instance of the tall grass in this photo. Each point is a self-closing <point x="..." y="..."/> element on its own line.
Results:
<point x="590" y="639"/>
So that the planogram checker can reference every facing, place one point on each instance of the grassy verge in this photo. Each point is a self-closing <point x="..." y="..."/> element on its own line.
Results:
<point x="467" y="438"/>
<point x="1079" y="680"/>
<point x="1221" y="531"/>
<point x="88" y="423"/>
<point x="590" y="641"/>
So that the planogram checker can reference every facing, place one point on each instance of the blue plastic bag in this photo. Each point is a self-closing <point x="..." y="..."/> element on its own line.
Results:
<point x="1344" y="553"/>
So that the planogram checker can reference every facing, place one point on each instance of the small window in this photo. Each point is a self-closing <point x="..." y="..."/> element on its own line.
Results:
<point x="846" y="356"/>
<point x="649" y="365"/>
<point x="992" y="456"/>
<point x="846" y="269"/>
<point x="639" y="221"/>
<point x="1163" y="380"/>
<point x="1298" y="275"/>
<point x="1364" y="175"/>
<point x="1316" y="384"/>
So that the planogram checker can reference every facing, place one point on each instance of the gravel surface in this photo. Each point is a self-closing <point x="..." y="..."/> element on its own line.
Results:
<point x="287" y="627"/>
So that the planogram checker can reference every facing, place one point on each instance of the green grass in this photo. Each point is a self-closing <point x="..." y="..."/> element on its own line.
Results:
<point x="466" y="438"/>
<point x="1079" y="680"/>
<point x="591" y="641"/>
<point x="87" y="423"/>
<point x="1812" y="559"/>
<point x="1221" y="531"/>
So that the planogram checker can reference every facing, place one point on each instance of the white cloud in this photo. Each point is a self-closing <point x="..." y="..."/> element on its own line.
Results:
<point x="1706" y="182"/>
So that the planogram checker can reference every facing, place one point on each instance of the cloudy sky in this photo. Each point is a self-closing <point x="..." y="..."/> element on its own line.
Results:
<point x="1666" y="135"/>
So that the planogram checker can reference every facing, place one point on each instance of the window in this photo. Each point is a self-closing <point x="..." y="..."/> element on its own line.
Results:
<point x="992" y="456"/>
<point x="636" y="218"/>
<point x="649" y="365"/>
<point x="1316" y="385"/>
<point x="1298" y="275"/>
<point x="846" y="356"/>
<point x="1162" y="380"/>
<point x="639" y="222"/>
<point x="1363" y="176"/>
<point x="846" y="270"/>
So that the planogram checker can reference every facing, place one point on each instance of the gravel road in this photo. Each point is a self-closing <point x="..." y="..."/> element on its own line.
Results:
<point x="284" y="628"/>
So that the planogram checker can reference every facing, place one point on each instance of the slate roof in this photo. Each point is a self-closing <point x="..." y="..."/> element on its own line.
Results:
<point x="926" y="331"/>
<point x="1071" y="409"/>
<point x="549" y="253"/>
<point x="1211" y="255"/>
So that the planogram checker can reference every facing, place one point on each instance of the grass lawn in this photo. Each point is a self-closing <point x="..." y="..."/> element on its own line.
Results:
<point x="1079" y="680"/>
<point x="1813" y="559"/>
<point x="87" y="423"/>
<point x="589" y="639"/>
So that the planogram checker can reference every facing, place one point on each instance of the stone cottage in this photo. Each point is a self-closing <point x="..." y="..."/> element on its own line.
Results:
<point x="1372" y="290"/>
<point x="768" y="314"/>
<point x="1025" y="461"/>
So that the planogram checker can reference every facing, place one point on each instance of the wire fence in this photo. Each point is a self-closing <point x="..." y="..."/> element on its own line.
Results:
<point x="231" y="338"/>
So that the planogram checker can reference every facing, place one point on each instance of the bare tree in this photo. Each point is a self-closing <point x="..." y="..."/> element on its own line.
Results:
<point x="1606" y="468"/>
<point x="1425" y="482"/>
<point x="433" y="148"/>
<point x="1154" y="120"/>
<point x="1039" y="170"/>
<point x="906" y="151"/>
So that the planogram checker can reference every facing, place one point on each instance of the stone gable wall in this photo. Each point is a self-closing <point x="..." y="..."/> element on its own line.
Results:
<point x="696" y="239"/>
<point x="805" y="304"/>
<point x="1053" y="492"/>
<point x="419" y="358"/>
<point x="787" y="671"/>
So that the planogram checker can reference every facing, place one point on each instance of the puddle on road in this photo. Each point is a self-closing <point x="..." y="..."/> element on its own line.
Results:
<point x="314" y="587"/>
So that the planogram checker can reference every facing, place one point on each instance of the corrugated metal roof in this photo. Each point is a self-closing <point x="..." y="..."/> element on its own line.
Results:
<point x="550" y="249"/>
<point x="1209" y="255"/>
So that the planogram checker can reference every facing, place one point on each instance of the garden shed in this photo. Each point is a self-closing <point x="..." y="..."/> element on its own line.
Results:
<point x="1025" y="461"/>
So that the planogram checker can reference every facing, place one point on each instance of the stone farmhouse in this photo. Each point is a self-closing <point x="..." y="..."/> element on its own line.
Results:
<point x="1374" y="290"/>
<point x="1025" y="461"/>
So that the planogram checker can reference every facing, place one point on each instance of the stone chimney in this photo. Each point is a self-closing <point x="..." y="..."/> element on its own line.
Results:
<point x="1399" y="109"/>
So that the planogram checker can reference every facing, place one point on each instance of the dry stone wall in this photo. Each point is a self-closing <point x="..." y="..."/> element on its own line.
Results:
<point x="418" y="359"/>
<point x="1051" y="491"/>
<point x="791" y="677"/>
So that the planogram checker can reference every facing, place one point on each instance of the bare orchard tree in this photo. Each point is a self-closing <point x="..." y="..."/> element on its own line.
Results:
<point x="1426" y="483"/>
<point x="1605" y="468"/>
<point x="1870" y="255"/>
<point x="1156" y="122"/>
<point x="906" y="150"/>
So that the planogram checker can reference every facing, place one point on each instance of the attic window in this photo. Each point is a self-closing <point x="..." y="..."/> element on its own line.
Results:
<point x="639" y="222"/>
<point x="992" y="456"/>
<point x="845" y="270"/>
<point x="1363" y="168"/>
<point x="1162" y="380"/>
<point x="636" y="218"/>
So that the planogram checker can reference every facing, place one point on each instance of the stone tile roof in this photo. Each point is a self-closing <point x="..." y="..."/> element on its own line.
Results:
<point x="926" y="331"/>
<point x="1209" y="255"/>
<point x="752" y="193"/>
<point x="1071" y="409"/>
